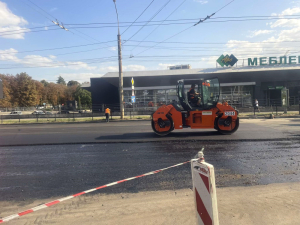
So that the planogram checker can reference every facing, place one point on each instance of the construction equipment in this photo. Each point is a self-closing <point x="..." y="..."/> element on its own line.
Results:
<point x="199" y="109"/>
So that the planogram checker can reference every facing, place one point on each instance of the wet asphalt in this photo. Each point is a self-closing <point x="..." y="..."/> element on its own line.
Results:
<point x="49" y="171"/>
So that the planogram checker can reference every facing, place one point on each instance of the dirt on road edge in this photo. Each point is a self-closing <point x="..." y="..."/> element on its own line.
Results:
<point x="265" y="204"/>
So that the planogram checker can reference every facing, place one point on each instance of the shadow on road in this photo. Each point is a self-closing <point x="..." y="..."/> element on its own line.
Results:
<point x="151" y="135"/>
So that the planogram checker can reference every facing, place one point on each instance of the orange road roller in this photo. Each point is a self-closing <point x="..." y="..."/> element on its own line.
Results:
<point x="199" y="108"/>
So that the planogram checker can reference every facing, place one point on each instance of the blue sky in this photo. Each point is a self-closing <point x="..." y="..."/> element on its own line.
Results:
<point x="73" y="63"/>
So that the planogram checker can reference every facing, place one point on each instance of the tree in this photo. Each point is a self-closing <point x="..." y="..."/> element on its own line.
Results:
<point x="72" y="83"/>
<point x="79" y="102"/>
<point x="70" y="93"/>
<point x="24" y="91"/>
<point x="41" y="95"/>
<point x="6" y="82"/>
<point x="61" y="80"/>
<point x="84" y="96"/>
<point x="45" y="83"/>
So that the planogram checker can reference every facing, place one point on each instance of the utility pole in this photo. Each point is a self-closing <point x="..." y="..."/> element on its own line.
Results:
<point x="121" y="96"/>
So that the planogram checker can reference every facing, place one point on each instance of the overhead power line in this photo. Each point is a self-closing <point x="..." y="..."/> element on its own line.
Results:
<point x="183" y="23"/>
<point x="24" y="32"/>
<point x="50" y="49"/>
<point x="150" y="19"/>
<point x="195" y="45"/>
<point x="29" y="30"/>
<point x="208" y="17"/>
<point x="55" y="21"/>
<point x="139" y="16"/>
<point x="186" y="19"/>
<point x="137" y="59"/>
<point x="219" y="43"/>
<point x="41" y="9"/>
<point x="161" y="23"/>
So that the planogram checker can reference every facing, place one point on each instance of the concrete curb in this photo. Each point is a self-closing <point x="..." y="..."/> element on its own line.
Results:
<point x="262" y="117"/>
<point x="130" y="120"/>
<point x="111" y="121"/>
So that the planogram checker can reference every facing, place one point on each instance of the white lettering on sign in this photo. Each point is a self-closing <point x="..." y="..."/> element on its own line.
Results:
<point x="206" y="113"/>
<point x="230" y="113"/>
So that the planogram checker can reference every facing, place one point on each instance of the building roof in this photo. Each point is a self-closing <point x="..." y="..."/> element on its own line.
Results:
<point x="85" y="85"/>
<point x="203" y="71"/>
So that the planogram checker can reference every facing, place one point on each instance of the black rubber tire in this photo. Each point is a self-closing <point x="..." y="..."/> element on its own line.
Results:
<point x="226" y="132"/>
<point x="165" y="132"/>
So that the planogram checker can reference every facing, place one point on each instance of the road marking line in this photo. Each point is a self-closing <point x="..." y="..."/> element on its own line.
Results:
<point x="8" y="218"/>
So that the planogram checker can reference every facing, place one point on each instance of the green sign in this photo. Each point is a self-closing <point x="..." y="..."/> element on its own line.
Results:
<point x="277" y="87"/>
<point x="282" y="60"/>
<point x="227" y="60"/>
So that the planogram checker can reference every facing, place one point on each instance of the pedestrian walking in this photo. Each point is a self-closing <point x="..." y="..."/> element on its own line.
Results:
<point x="107" y="114"/>
<point x="256" y="105"/>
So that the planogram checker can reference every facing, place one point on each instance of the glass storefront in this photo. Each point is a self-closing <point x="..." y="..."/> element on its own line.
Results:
<point x="241" y="96"/>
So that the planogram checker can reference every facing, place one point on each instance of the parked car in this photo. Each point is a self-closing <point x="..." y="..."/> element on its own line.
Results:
<point x="48" y="113"/>
<point x="128" y="105"/>
<point x="63" y="112"/>
<point x="40" y="107"/>
<point x="16" y="113"/>
<point x="38" y="113"/>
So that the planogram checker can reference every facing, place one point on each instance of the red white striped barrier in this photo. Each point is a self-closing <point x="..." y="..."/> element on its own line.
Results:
<point x="8" y="218"/>
<point x="204" y="191"/>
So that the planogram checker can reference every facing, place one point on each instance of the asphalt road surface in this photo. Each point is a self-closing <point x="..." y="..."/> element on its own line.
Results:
<point x="50" y="160"/>
<point x="140" y="131"/>
<point x="49" y="171"/>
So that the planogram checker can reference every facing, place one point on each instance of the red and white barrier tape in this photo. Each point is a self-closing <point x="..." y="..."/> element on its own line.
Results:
<point x="8" y="218"/>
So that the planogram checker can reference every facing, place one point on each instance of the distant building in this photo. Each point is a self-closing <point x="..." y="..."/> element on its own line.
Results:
<point x="180" y="67"/>
<point x="239" y="85"/>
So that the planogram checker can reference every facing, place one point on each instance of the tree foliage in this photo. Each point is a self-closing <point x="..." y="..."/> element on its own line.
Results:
<point x="45" y="83"/>
<point x="84" y="96"/>
<point x="21" y="90"/>
<point x="24" y="91"/>
<point x="72" y="83"/>
<point x="61" y="80"/>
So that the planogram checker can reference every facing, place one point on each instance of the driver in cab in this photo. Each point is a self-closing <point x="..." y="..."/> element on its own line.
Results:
<point x="193" y="96"/>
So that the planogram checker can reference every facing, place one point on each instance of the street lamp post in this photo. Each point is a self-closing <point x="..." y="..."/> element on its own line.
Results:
<point x="120" y="67"/>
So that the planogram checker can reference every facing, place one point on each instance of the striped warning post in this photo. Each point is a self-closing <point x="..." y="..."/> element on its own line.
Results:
<point x="204" y="192"/>
<point x="42" y="206"/>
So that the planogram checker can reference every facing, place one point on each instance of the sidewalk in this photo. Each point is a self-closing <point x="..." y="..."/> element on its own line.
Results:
<point x="266" y="204"/>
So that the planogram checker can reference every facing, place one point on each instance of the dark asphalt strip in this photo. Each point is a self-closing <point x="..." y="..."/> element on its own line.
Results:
<point x="297" y="137"/>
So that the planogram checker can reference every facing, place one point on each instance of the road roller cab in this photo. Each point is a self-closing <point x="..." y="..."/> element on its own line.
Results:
<point x="198" y="107"/>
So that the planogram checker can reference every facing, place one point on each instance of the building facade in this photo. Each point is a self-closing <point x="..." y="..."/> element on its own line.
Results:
<point x="240" y="86"/>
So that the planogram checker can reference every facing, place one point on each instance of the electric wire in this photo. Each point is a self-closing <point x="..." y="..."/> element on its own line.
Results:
<point x="184" y="29"/>
<point x="161" y="23"/>
<point x="150" y="19"/>
<point x="186" y="19"/>
<point x="5" y="33"/>
<point x="137" y="59"/>
<point x="50" y="49"/>
<point x="139" y="16"/>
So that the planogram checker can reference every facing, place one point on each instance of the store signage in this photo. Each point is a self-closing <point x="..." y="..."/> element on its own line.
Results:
<point x="227" y="60"/>
<point x="275" y="88"/>
<point x="282" y="60"/>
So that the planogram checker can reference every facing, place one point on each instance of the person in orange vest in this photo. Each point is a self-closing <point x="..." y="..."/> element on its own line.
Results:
<point x="107" y="113"/>
<point x="150" y="104"/>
